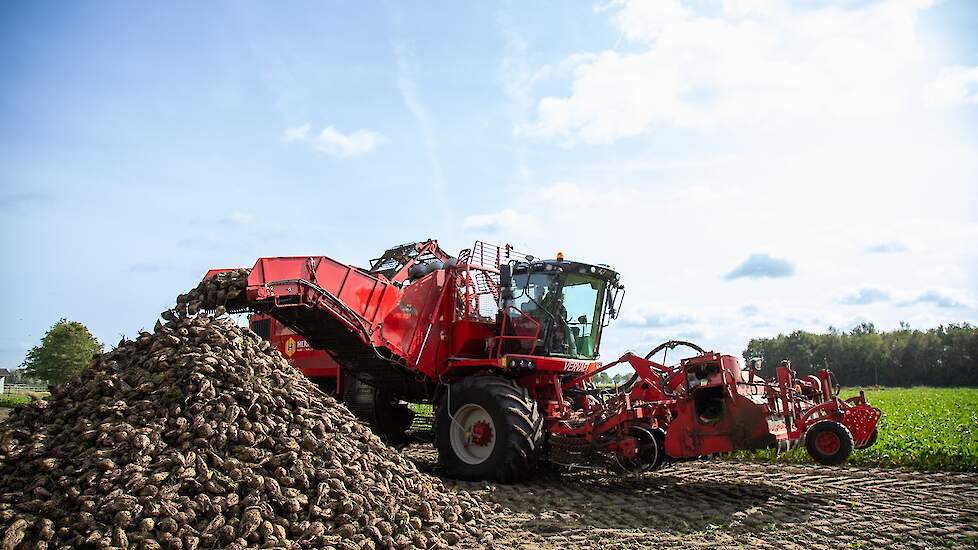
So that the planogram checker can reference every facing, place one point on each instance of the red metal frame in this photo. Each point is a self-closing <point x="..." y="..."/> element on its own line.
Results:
<point x="315" y="364"/>
<point x="504" y="335"/>
<point x="663" y="399"/>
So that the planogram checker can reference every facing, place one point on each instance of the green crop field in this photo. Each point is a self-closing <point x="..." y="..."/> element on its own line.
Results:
<point x="923" y="428"/>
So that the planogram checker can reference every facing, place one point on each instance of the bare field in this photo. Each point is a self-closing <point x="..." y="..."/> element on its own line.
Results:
<point x="714" y="504"/>
<point x="722" y="504"/>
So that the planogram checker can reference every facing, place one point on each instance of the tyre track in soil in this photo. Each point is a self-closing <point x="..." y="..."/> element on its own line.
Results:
<point x="715" y="504"/>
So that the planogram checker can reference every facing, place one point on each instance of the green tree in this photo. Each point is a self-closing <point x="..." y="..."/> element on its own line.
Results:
<point x="946" y="355"/>
<point x="66" y="349"/>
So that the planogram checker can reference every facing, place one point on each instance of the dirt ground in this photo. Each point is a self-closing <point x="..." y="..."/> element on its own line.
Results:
<point x="713" y="504"/>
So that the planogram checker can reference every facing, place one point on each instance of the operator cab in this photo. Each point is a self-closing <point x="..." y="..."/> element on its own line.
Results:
<point x="571" y="302"/>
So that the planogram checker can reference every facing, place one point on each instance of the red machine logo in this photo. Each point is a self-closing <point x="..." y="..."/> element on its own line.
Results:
<point x="290" y="347"/>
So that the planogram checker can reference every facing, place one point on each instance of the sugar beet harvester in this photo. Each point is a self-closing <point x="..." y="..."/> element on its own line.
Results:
<point x="505" y="346"/>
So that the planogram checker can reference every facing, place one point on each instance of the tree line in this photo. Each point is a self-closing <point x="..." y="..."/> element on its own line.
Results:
<point x="943" y="356"/>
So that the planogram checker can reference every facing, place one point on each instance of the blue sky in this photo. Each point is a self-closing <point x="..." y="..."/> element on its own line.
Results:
<point x="751" y="166"/>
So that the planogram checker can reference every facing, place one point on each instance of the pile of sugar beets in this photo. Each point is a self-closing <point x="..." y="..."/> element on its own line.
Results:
<point x="200" y="435"/>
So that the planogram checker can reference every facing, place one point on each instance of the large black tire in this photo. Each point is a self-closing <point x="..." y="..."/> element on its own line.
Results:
<point x="829" y="442"/>
<point x="387" y="417"/>
<point x="516" y="428"/>
<point x="651" y="449"/>
<point x="328" y="385"/>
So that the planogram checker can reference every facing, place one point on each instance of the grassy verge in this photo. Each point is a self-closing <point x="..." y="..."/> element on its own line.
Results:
<point x="14" y="399"/>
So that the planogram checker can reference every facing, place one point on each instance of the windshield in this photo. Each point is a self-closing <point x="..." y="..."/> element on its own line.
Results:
<point x="582" y="306"/>
<point x="568" y="308"/>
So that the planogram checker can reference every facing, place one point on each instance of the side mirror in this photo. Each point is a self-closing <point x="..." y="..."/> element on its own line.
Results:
<point x="614" y="308"/>
<point x="582" y="319"/>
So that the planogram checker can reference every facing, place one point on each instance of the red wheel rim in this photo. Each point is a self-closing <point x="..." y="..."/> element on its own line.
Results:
<point x="481" y="433"/>
<point x="828" y="443"/>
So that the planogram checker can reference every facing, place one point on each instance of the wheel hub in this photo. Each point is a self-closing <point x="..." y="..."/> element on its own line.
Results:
<point x="827" y="443"/>
<point x="481" y="433"/>
<point x="472" y="434"/>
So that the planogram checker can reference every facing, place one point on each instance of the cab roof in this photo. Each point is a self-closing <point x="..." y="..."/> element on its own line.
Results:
<point x="602" y="271"/>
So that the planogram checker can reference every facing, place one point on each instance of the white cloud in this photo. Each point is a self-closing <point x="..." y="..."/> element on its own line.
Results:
<point x="410" y="89"/>
<point x="790" y="128"/>
<point x="936" y="298"/>
<point x="335" y="143"/>
<point x="517" y="79"/>
<point x="237" y="218"/>
<point x="566" y="193"/>
<point x="887" y="247"/>
<point x="647" y="21"/>
<point x="673" y="247"/>
<point x="955" y="85"/>
<point x="865" y="296"/>
<point x="740" y="8"/>
<point x="505" y="221"/>
<point x="299" y="133"/>
<point x="656" y="316"/>
<point x="753" y="63"/>
<point x="762" y="266"/>
<point x="703" y="193"/>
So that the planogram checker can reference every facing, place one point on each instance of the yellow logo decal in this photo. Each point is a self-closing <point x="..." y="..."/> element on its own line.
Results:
<point x="290" y="347"/>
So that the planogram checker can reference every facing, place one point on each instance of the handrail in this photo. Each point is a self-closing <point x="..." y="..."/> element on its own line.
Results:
<point x="503" y="336"/>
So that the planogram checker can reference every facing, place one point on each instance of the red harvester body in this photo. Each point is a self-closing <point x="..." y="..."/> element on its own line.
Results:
<point x="505" y="346"/>
<point x="314" y="363"/>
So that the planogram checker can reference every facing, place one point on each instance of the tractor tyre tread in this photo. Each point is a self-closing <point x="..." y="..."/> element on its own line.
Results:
<point x="515" y="456"/>
<point x="846" y="444"/>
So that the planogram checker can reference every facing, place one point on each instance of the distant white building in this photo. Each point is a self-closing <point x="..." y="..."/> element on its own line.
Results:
<point x="4" y="373"/>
